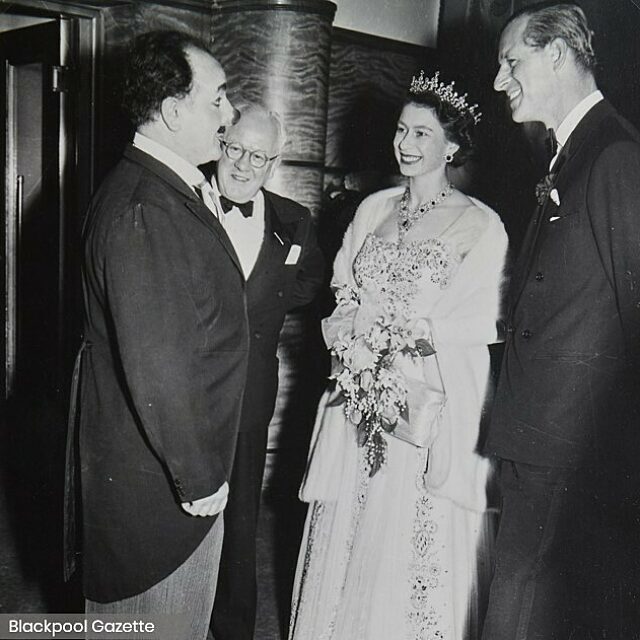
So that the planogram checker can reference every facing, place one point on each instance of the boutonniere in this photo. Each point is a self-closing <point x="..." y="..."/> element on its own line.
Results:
<point x="545" y="189"/>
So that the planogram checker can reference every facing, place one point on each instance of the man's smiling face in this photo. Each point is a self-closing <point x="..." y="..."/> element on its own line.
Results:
<point x="238" y="179"/>
<point x="525" y="75"/>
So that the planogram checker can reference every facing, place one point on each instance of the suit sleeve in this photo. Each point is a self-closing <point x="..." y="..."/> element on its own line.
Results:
<point x="613" y="201"/>
<point x="310" y="275"/>
<point x="157" y="333"/>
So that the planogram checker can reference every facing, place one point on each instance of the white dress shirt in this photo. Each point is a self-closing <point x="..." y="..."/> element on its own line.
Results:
<point x="572" y="119"/>
<point x="183" y="168"/>
<point x="246" y="234"/>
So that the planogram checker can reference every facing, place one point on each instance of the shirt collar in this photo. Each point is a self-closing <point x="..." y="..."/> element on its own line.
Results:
<point x="574" y="116"/>
<point x="185" y="170"/>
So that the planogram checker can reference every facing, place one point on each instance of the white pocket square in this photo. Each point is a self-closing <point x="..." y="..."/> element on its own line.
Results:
<point x="294" y="254"/>
<point x="554" y="218"/>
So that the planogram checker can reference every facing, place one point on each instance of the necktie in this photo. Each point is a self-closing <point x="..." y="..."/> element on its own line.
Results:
<point x="551" y="144"/>
<point x="246" y="208"/>
<point x="205" y="192"/>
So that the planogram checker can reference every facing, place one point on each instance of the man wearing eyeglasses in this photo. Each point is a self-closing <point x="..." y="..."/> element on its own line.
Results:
<point x="276" y="244"/>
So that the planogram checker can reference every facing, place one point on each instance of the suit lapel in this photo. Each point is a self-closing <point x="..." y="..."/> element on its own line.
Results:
<point x="208" y="218"/>
<point x="572" y="147"/>
<point x="192" y="202"/>
<point x="275" y="244"/>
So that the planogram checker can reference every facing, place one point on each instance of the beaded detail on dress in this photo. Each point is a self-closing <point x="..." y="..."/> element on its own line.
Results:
<point x="425" y="571"/>
<point x="396" y="268"/>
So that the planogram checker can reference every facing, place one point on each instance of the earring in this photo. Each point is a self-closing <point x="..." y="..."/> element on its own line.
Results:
<point x="448" y="158"/>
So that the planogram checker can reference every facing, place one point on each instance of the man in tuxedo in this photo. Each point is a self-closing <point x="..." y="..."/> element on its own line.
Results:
<point x="566" y="415"/>
<point x="283" y="267"/>
<point x="166" y="345"/>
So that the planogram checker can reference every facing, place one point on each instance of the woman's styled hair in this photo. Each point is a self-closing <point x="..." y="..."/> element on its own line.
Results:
<point x="458" y="124"/>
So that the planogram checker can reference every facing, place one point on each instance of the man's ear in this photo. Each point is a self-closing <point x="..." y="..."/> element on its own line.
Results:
<point x="558" y="50"/>
<point x="273" y="165"/>
<point x="170" y="112"/>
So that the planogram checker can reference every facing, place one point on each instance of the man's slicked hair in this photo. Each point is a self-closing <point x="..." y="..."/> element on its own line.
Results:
<point x="156" y="67"/>
<point x="547" y="21"/>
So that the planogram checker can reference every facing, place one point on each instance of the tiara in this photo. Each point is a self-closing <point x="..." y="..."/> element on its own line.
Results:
<point x="446" y="93"/>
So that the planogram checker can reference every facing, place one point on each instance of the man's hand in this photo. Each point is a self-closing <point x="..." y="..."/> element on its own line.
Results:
<point x="210" y="505"/>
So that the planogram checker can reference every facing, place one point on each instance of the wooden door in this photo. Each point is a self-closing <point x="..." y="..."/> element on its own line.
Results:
<point x="33" y="229"/>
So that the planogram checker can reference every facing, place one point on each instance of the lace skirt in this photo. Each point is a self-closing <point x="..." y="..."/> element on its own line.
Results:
<point x="383" y="558"/>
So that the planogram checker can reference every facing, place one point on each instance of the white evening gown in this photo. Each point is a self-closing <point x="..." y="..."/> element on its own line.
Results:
<point x="394" y="557"/>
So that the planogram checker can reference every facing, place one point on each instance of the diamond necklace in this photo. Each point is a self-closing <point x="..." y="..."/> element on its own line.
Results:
<point x="408" y="217"/>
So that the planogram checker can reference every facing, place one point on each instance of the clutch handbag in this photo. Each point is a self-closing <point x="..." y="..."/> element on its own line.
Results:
<point x="426" y="401"/>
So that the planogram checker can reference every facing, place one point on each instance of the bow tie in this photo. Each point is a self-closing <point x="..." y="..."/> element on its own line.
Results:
<point x="246" y="208"/>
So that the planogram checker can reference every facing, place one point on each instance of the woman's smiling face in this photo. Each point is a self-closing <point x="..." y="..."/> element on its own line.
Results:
<point x="420" y="144"/>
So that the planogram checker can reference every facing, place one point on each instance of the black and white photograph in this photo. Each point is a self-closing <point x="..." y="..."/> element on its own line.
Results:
<point x="321" y="319"/>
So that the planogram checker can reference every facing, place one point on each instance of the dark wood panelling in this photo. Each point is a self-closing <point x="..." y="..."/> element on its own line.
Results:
<point x="302" y="184"/>
<point x="369" y="78"/>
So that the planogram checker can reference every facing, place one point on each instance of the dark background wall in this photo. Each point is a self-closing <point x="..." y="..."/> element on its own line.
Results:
<point x="510" y="156"/>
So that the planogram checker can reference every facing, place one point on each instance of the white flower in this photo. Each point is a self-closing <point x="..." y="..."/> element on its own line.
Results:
<point x="366" y="380"/>
<point x="347" y="384"/>
<point x="342" y="342"/>
<point x="345" y="294"/>
<point x="553" y="194"/>
<point x="358" y="356"/>
<point x="378" y="336"/>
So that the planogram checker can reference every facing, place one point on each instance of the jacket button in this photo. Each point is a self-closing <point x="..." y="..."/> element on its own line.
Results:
<point x="539" y="276"/>
<point x="526" y="334"/>
<point x="257" y="335"/>
<point x="510" y="329"/>
<point x="280" y="294"/>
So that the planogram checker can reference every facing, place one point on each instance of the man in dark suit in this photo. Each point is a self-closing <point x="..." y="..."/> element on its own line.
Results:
<point x="276" y="244"/>
<point x="166" y="345"/>
<point x="566" y="415"/>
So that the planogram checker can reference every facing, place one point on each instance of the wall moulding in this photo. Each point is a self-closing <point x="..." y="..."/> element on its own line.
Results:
<point x="321" y="7"/>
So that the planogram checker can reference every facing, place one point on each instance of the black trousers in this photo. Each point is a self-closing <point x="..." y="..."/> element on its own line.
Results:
<point x="234" y="611"/>
<point x="527" y="596"/>
<point x="567" y="553"/>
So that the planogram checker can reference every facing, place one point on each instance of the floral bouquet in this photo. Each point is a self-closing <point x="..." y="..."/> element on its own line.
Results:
<point x="372" y="387"/>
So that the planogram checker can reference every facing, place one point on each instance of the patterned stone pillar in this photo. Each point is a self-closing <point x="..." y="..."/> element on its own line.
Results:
<point x="277" y="52"/>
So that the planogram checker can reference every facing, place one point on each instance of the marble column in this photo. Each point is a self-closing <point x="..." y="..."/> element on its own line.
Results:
<point x="278" y="52"/>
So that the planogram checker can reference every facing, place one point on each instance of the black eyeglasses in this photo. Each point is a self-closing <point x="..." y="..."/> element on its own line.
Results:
<point x="235" y="151"/>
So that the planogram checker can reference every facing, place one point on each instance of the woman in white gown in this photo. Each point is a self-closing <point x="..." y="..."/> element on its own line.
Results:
<point x="391" y="553"/>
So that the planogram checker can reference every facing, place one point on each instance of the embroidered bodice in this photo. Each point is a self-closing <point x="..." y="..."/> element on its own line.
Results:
<point x="398" y="270"/>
